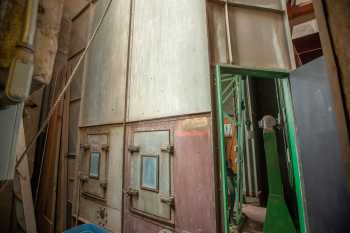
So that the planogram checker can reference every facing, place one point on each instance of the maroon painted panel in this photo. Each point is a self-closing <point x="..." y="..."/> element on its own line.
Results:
<point x="194" y="176"/>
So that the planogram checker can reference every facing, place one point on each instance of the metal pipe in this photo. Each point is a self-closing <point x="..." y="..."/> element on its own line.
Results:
<point x="228" y="34"/>
<point x="30" y="22"/>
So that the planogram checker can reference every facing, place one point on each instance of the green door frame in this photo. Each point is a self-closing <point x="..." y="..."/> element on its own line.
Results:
<point x="236" y="76"/>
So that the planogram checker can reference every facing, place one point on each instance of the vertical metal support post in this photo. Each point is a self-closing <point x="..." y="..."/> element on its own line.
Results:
<point x="240" y="112"/>
<point x="222" y="159"/>
<point x="278" y="218"/>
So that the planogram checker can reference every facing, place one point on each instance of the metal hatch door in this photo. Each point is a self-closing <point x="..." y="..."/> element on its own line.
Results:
<point x="324" y="178"/>
<point x="94" y="166"/>
<point x="150" y="174"/>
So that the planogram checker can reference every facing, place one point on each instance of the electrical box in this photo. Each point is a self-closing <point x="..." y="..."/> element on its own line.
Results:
<point x="94" y="168"/>
<point x="150" y="174"/>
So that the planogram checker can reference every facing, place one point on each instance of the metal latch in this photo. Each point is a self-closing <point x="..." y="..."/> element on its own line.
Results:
<point x="132" y="192"/>
<point x="133" y="148"/>
<point x="85" y="147"/>
<point x="167" y="149"/>
<point x="168" y="200"/>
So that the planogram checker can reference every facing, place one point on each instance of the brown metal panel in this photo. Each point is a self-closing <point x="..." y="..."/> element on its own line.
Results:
<point x="104" y="88"/>
<point x="258" y="38"/>
<point x="169" y="57"/>
<point x="194" y="176"/>
<point x="217" y="33"/>
<point x="79" y="33"/>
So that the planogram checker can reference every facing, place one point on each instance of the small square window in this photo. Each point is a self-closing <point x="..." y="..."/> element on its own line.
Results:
<point x="149" y="172"/>
<point x="95" y="164"/>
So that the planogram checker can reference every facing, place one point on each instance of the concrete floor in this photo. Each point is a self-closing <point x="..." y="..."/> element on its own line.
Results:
<point x="255" y="217"/>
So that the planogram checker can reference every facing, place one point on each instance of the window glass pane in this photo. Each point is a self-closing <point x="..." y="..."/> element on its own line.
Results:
<point x="150" y="172"/>
<point x="95" y="164"/>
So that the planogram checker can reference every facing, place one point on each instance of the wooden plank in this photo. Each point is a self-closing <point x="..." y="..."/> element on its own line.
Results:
<point x="63" y="181"/>
<point x="48" y="184"/>
<point x="25" y="185"/>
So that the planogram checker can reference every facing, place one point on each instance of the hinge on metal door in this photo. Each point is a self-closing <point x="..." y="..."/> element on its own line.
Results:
<point x="168" y="201"/>
<point x="133" y="148"/>
<point x="132" y="192"/>
<point x="167" y="149"/>
<point x="85" y="147"/>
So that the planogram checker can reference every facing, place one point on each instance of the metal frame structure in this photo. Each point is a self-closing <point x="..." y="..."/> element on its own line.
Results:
<point x="236" y="78"/>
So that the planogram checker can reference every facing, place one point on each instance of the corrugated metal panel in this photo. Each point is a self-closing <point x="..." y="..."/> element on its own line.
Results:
<point x="258" y="38"/>
<point x="104" y="88"/>
<point x="169" y="63"/>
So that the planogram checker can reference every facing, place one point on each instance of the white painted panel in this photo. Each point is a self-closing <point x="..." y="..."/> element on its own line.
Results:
<point x="169" y="64"/>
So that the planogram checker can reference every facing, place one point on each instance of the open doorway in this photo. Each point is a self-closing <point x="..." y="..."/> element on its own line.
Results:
<point x="259" y="169"/>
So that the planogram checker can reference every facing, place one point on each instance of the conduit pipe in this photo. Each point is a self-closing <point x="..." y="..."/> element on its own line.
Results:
<point x="22" y="66"/>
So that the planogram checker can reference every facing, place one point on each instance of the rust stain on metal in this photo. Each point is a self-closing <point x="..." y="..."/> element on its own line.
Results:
<point x="194" y="124"/>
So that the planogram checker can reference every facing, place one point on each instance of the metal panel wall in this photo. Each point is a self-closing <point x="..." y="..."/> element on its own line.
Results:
<point x="104" y="87"/>
<point x="169" y="62"/>
<point x="79" y="32"/>
<point x="258" y="34"/>
<point x="258" y="38"/>
<point x="113" y="205"/>
<point x="192" y="177"/>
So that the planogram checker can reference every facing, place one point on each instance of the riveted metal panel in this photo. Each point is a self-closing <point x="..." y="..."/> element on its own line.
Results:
<point x="169" y="61"/>
<point x="104" y="88"/>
